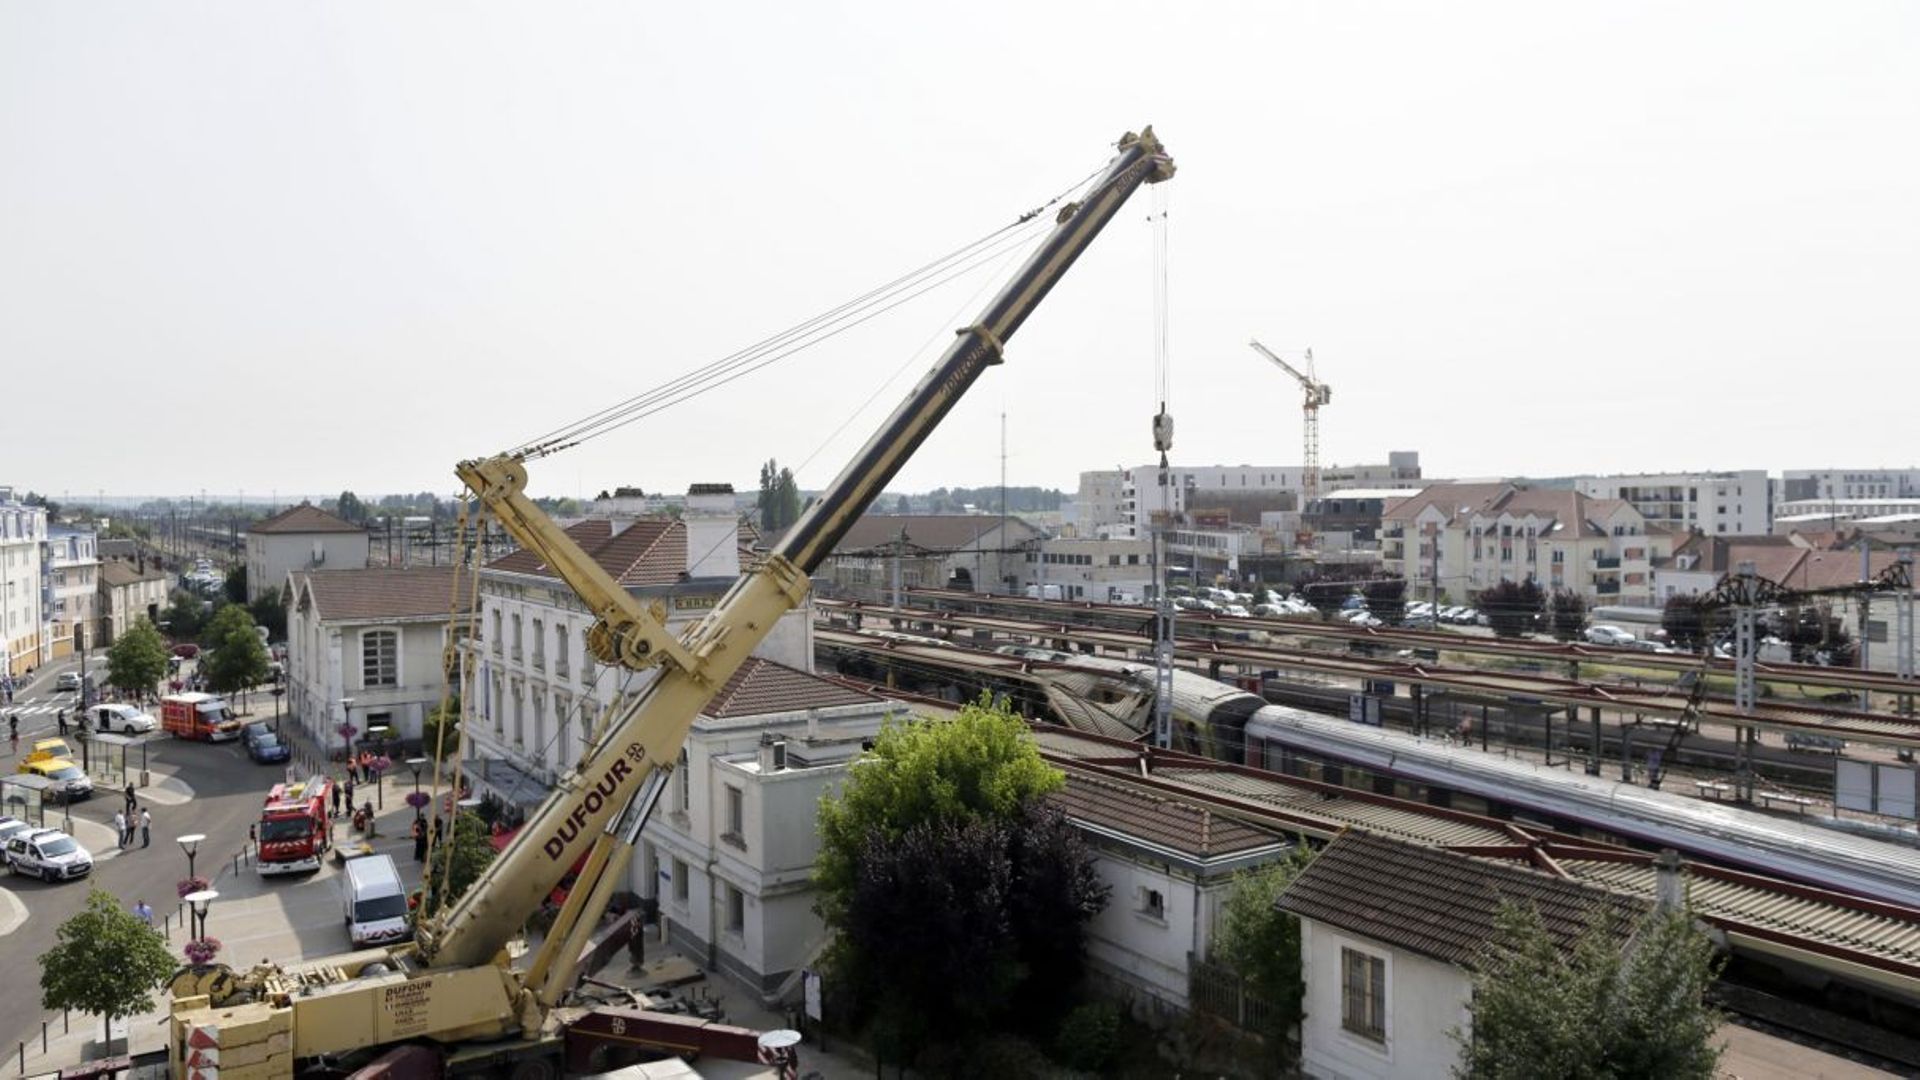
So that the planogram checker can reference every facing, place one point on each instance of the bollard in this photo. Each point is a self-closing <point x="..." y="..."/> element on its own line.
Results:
<point x="43" y="1036"/>
<point x="23" y="1059"/>
<point x="66" y="1016"/>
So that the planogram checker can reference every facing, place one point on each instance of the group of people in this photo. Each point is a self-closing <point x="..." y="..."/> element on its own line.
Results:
<point x="134" y="819"/>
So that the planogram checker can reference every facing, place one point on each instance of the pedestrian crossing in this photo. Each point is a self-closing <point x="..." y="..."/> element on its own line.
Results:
<point x="47" y="708"/>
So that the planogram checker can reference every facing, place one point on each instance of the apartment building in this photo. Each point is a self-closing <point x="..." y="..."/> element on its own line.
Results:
<point x="302" y="537"/>
<point x="1736" y="503"/>
<point x="130" y="590"/>
<point x="74" y="563"/>
<point x="1873" y="514"/>
<point x="538" y="691"/>
<point x="1798" y="484"/>
<point x="1246" y="491"/>
<point x="26" y="592"/>
<point x="1096" y="504"/>
<point x="1462" y="538"/>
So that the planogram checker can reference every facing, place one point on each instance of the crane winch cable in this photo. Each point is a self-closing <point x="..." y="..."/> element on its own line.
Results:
<point x="740" y="365"/>
<point x="616" y="415"/>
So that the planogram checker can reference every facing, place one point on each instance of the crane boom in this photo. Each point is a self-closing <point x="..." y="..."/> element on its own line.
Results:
<point x="637" y="750"/>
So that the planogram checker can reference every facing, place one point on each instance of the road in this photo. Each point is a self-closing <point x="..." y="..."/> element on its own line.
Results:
<point x="226" y="792"/>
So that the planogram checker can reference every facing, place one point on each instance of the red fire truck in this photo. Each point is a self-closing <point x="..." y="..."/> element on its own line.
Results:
<point x="294" y="829"/>
<point x="201" y="717"/>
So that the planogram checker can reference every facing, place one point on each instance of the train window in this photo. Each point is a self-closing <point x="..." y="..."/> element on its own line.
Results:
<point x="1382" y="784"/>
<point x="1333" y="774"/>
<point x="1440" y="797"/>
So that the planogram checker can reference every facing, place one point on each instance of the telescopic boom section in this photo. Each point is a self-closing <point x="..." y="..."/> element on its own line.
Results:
<point x="632" y="758"/>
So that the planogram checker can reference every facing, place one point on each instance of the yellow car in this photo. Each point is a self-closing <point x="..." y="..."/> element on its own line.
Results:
<point x="70" y="781"/>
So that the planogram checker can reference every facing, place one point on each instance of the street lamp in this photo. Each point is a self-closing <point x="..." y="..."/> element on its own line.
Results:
<point x="190" y="844"/>
<point x="200" y="902"/>
<point x="414" y="765"/>
<point x="346" y="727"/>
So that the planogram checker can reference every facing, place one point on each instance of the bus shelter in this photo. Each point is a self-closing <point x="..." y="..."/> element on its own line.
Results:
<point x="27" y="797"/>
<point x="112" y="759"/>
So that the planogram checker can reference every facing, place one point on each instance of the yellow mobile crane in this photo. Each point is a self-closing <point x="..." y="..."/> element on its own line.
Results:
<point x="451" y="994"/>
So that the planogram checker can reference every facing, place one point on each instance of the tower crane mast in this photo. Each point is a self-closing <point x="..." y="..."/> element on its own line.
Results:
<point x="1317" y="394"/>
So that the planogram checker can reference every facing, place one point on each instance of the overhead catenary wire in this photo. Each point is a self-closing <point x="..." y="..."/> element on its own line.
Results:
<point x="802" y="335"/>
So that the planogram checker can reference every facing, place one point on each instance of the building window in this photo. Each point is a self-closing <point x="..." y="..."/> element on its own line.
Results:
<point x="1152" y="904"/>
<point x="380" y="658"/>
<point x="680" y="882"/>
<point x="499" y="640"/>
<point x="516" y="637"/>
<point x="736" y="911"/>
<point x="1363" y="997"/>
<point x="539" y="646"/>
<point x="683" y="796"/>
<point x="736" y="818"/>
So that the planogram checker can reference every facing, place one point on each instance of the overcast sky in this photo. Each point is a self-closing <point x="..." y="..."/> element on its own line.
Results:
<point x="305" y="247"/>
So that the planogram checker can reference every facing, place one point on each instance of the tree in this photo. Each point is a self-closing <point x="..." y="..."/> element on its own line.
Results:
<point x="443" y="721"/>
<point x="1567" y="615"/>
<point x="1262" y="943"/>
<point x="268" y="611"/>
<point x="348" y="507"/>
<point x="238" y="659"/>
<point x="107" y="962"/>
<point x="185" y="616"/>
<point x="1689" y="623"/>
<point x="138" y="660"/>
<point x="902" y="506"/>
<point x="1595" y="1009"/>
<point x="235" y="585"/>
<point x="1387" y="599"/>
<point x="471" y="855"/>
<point x="959" y="899"/>
<point x="1512" y="608"/>
<point x="1814" y="634"/>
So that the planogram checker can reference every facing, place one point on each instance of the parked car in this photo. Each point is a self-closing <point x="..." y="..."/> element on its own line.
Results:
<point x="1604" y="634"/>
<point x="264" y="747"/>
<point x="68" y="680"/>
<point x="11" y="827"/>
<point x="1236" y="611"/>
<point x="125" y="719"/>
<point x="48" y="854"/>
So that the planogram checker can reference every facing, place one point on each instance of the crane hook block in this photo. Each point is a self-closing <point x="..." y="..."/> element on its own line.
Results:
<point x="1163" y="431"/>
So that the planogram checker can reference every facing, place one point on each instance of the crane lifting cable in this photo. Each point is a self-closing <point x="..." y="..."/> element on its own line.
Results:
<point x="809" y="332"/>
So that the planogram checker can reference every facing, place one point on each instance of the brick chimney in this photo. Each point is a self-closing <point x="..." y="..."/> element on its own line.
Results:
<point x="713" y="532"/>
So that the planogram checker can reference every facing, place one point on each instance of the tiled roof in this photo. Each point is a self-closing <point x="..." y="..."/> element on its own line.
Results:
<point x="305" y="518"/>
<point x="647" y="551"/>
<point x="383" y="593"/>
<point x="1432" y="902"/>
<point x="762" y="686"/>
<point x="1156" y="818"/>
<point x="1450" y="499"/>
<point x="929" y="532"/>
<point x="116" y="574"/>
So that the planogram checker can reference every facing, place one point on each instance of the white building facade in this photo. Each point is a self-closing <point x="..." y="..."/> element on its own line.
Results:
<point x="130" y="590"/>
<point x="1716" y="503"/>
<point x="75" y="570"/>
<point x="367" y="647"/>
<point x="1796" y="484"/>
<point x="302" y="537"/>
<point x="26" y="593"/>
<point x="1099" y="570"/>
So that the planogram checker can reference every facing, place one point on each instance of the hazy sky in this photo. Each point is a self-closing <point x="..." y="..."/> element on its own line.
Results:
<point x="301" y="247"/>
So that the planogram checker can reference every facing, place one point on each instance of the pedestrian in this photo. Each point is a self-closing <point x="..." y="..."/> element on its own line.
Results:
<point x="336" y="800"/>
<point x="419" y="840"/>
<point x="146" y="827"/>
<point x="142" y="912"/>
<point x="132" y="800"/>
<point x="120" y="827"/>
<point x="349" y="785"/>
<point x="63" y="721"/>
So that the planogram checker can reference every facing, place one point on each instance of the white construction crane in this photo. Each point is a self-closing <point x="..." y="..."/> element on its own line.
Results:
<point x="1317" y="394"/>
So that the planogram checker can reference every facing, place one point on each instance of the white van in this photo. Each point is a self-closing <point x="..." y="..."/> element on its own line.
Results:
<point x="374" y="901"/>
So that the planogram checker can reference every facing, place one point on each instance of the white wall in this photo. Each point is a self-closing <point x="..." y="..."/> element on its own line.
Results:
<point x="1425" y="1000"/>
<point x="272" y="556"/>
<point x="1147" y="953"/>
